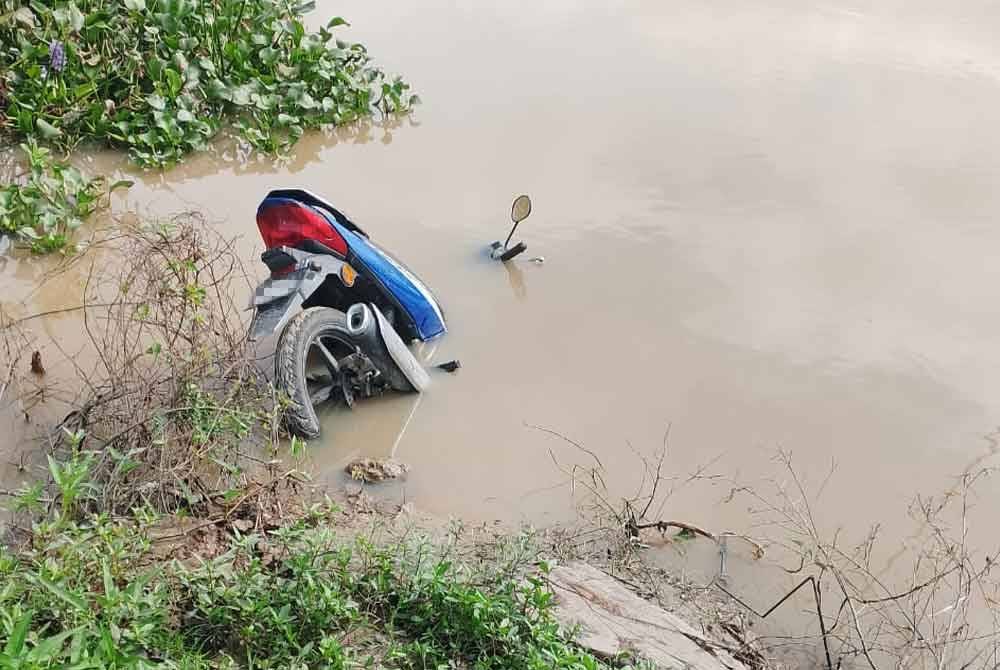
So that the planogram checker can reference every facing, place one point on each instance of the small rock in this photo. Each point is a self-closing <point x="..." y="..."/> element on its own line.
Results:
<point x="375" y="469"/>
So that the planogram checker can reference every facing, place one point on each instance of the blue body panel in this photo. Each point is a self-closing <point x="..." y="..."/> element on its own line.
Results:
<point x="397" y="281"/>
<point x="409" y="291"/>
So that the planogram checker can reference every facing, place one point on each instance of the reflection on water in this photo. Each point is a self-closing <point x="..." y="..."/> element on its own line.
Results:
<point x="516" y="278"/>
<point x="229" y="154"/>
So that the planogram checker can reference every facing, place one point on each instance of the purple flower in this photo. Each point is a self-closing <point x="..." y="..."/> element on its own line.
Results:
<point x="57" y="56"/>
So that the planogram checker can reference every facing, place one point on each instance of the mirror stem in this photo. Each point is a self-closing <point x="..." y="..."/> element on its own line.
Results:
<point x="507" y="241"/>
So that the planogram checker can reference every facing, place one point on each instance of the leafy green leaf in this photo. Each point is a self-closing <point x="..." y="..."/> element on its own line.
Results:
<point x="174" y="81"/>
<point x="76" y="18"/>
<point x="268" y="55"/>
<point x="241" y="95"/>
<point x="25" y="16"/>
<point x="217" y="89"/>
<point x="156" y="101"/>
<point x="135" y="5"/>
<point x="46" y="650"/>
<point x="47" y="130"/>
<point x="71" y="599"/>
<point x="109" y="583"/>
<point x="17" y="637"/>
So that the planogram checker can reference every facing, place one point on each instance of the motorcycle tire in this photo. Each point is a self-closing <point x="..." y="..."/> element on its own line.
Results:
<point x="292" y="356"/>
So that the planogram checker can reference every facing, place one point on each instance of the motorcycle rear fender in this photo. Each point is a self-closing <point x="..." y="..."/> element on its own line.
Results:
<point x="277" y="299"/>
<point x="400" y="354"/>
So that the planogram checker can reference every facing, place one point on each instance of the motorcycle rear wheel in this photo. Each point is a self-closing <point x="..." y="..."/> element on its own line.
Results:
<point x="306" y="345"/>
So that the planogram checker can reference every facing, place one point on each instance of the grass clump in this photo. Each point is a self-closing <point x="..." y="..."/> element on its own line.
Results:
<point x="77" y="598"/>
<point x="161" y="77"/>
<point x="93" y="594"/>
<point x="496" y="622"/>
<point x="50" y="201"/>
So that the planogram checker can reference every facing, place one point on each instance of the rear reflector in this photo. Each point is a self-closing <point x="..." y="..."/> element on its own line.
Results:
<point x="288" y="223"/>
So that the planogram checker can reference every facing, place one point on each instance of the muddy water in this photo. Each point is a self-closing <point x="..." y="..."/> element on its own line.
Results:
<point x="765" y="225"/>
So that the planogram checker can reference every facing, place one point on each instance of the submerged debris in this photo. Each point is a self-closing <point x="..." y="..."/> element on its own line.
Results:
<point x="36" y="363"/>
<point x="450" y="366"/>
<point x="376" y="469"/>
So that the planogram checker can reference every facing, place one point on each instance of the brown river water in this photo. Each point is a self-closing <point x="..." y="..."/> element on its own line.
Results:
<point x="765" y="224"/>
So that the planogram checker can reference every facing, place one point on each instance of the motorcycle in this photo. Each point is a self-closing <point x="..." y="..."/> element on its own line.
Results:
<point x="344" y="309"/>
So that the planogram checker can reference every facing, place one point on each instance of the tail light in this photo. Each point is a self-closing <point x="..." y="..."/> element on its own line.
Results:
<point x="288" y="224"/>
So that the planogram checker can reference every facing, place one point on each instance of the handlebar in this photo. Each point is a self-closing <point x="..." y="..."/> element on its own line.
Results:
<point x="515" y="250"/>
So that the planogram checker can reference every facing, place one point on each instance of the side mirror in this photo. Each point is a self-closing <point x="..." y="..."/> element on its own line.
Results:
<point x="521" y="209"/>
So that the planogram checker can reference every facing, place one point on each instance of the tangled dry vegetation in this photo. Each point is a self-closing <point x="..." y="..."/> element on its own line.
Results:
<point x="174" y="414"/>
<point x="856" y="606"/>
<point x="940" y="611"/>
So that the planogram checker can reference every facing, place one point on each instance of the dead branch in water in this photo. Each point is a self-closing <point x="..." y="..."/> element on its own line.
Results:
<point x="946" y="613"/>
<point x="878" y="623"/>
<point x="613" y="537"/>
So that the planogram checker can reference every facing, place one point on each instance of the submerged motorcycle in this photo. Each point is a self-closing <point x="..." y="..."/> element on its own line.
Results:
<point x="359" y="308"/>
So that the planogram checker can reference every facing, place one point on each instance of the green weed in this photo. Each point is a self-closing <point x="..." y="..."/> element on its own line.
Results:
<point x="92" y="595"/>
<point x="503" y="622"/>
<point x="161" y="77"/>
<point x="50" y="203"/>
<point x="76" y="599"/>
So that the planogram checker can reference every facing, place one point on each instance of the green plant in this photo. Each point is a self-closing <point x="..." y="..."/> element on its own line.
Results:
<point x="503" y="622"/>
<point x="92" y="593"/>
<point x="78" y="598"/>
<point x="72" y="481"/>
<point x="53" y="200"/>
<point x="160" y="77"/>
<point x="271" y="614"/>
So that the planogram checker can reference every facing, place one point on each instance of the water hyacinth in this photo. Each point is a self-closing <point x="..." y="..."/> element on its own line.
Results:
<point x="254" y="65"/>
<point x="57" y="56"/>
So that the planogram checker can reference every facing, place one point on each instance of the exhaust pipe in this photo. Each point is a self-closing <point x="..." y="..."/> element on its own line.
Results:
<point x="360" y="321"/>
<point x="374" y="333"/>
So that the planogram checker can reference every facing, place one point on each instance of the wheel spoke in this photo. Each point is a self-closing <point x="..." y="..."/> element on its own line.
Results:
<point x="328" y="359"/>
